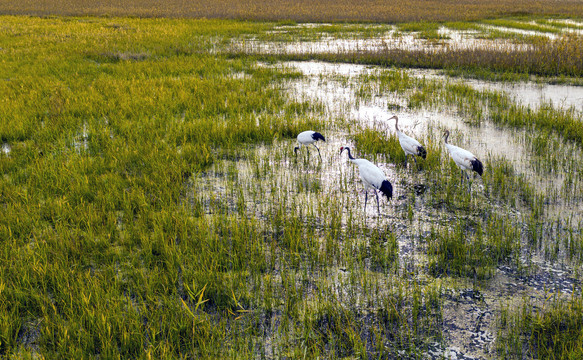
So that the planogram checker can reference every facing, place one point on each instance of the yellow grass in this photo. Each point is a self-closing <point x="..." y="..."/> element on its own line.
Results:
<point x="300" y="10"/>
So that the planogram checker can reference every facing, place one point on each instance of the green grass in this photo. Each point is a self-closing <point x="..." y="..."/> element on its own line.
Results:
<point x="468" y="250"/>
<point x="99" y="241"/>
<point x="553" y="59"/>
<point x="153" y="205"/>
<point x="559" y="24"/>
<point x="522" y="25"/>
<point x="418" y="26"/>
<point x="550" y="331"/>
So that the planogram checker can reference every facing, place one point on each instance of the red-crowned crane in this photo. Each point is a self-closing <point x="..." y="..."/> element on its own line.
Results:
<point x="464" y="159"/>
<point x="372" y="177"/>
<point x="309" y="137"/>
<point x="409" y="145"/>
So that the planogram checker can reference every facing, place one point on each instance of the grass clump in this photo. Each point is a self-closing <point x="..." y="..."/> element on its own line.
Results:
<point x="373" y="142"/>
<point x="521" y="25"/>
<point x="550" y="331"/>
<point x="472" y="251"/>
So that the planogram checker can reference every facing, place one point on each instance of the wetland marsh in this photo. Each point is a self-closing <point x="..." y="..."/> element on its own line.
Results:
<point x="153" y="206"/>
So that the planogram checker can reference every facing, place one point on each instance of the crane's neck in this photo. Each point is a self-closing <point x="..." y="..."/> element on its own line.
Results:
<point x="446" y="135"/>
<point x="396" y="121"/>
<point x="349" y="154"/>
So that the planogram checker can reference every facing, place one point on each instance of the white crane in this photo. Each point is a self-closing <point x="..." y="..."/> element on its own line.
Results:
<point x="372" y="177"/>
<point x="309" y="137"/>
<point x="464" y="159"/>
<point x="409" y="145"/>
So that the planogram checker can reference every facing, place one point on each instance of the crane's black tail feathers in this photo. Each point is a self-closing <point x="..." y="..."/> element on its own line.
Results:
<point x="317" y="136"/>
<point x="387" y="189"/>
<point x="477" y="166"/>
<point x="422" y="152"/>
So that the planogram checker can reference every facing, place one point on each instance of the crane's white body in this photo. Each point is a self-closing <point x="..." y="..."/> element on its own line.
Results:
<point x="309" y="137"/>
<point x="409" y="145"/>
<point x="464" y="159"/>
<point x="372" y="177"/>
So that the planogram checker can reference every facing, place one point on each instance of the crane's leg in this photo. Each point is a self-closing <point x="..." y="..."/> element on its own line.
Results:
<point x="365" y="199"/>
<point x="462" y="181"/>
<point x="378" y="208"/>
<point x="416" y="165"/>
<point x="318" y="151"/>
<point x="469" y="183"/>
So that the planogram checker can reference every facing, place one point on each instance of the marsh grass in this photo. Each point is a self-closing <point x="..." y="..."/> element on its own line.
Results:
<point x="520" y="24"/>
<point x="104" y="135"/>
<point x="470" y="251"/>
<point x="153" y="205"/>
<point x="475" y="248"/>
<point x="301" y="11"/>
<point x="532" y="54"/>
<point x="562" y="24"/>
<point x="550" y="330"/>
<point x="322" y="305"/>
<point x="544" y="58"/>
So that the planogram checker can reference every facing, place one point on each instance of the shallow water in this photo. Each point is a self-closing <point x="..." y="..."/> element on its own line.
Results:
<point x="536" y="95"/>
<point x="81" y="141"/>
<point x="6" y="149"/>
<point x="335" y="86"/>
<point x="391" y="40"/>
<point x="272" y="176"/>
<point x="472" y="336"/>
<point x="486" y="141"/>
<point x="531" y="94"/>
<point x="527" y="93"/>
<point x="340" y="100"/>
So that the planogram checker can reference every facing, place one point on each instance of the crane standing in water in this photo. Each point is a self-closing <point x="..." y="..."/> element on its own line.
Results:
<point x="372" y="177"/>
<point x="309" y="137"/>
<point x="464" y="159"/>
<point x="409" y="145"/>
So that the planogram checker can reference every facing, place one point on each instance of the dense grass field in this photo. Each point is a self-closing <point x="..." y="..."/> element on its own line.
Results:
<point x="301" y="10"/>
<point x="152" y="205"/>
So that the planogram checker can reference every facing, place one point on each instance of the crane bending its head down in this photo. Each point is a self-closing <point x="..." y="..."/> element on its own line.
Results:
<point x="309" y="137"/>
<point x="372" y="177"/>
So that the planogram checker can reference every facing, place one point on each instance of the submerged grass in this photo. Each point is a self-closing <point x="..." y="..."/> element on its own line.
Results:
<point x="474" y="248"/>
<point x="501" y="55"/>
<point x="546" y="58"/>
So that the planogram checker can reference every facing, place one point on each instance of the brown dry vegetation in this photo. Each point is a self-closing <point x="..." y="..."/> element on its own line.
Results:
<point x="559" y="57"/>
<point x="299" y="10"/>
